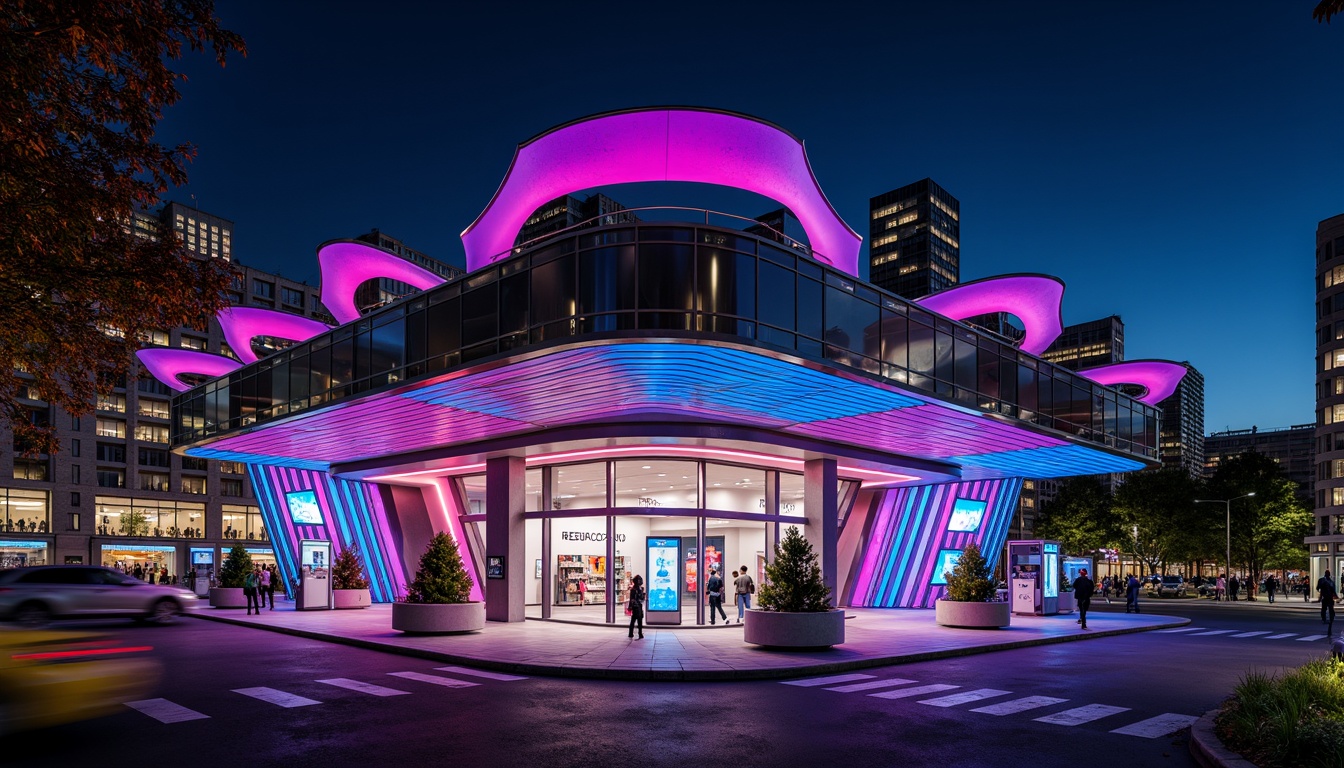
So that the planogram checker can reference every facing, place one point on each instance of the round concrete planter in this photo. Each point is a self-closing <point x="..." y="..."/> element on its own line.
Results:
<point x="972" y="615"/>
<point x="350" y="598"/>
<point x="775" y="629"/>
<point x="438" y="618"/>
<point x="227" y="597"/>
<point x="1066" y="602"/>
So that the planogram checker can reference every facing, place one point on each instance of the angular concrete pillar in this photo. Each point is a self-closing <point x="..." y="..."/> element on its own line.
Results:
<point x="505" y="536"/>
<point x="821" y="491"/>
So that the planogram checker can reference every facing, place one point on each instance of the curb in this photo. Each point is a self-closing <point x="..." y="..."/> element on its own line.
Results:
<point x="1208" y="749"/>
<point x="679" y="675"/>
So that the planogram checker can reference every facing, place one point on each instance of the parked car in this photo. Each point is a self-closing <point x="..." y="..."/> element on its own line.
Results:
<point x="1171" y="586"/>
<point x="35" y="595"/>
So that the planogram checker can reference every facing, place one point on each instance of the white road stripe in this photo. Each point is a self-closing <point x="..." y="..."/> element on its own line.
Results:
<point x="829" y="680"/>
<point x="1179" y="629"/>
<point x="1280" y="637"/>
<point x="166" y="711"/>
<point x="919" y="691"/>
<point x="480" y="673"/>
<point x="868" y="686"/>
<point x="1154" y="727"/>
<point x="1309" y="638"/>
<point x="278" y="698"/>
<point x="957" y="699"/>
<point x="1080" y="715"/>
<point x="369" y="688"/>
<point x="1019" y="705"/>
<point x="1253" y="634"/>
<point x="1216" y="632"/>
<point x="446" y="682"/>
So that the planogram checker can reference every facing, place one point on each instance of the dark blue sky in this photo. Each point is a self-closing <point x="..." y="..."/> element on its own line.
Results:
<point x="1169" y="161"/>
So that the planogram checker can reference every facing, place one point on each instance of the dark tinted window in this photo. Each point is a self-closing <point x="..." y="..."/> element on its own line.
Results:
<point x="776" y="296"/>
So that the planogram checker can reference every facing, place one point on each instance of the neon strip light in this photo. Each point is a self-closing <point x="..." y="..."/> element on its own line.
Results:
<point x="661" y="145"/>
<point x="1158" y="377"/>
<point x="347" y="263"/>
<point x="1033" y="299"/>
<point x="243" y="324"/>
<point x="167" y="365"/>
<point x="451" y="518"/>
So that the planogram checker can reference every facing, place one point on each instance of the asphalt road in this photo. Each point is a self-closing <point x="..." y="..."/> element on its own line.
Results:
<point x="1150" y="680"/>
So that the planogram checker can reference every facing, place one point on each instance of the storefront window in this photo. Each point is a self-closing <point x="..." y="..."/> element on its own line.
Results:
<point x="734" y="489"/>
<point x="17" y="554"/>
<point x="579" y="486"/>
<point x="148" y="562"/>
<point x="149" y="518"/>
<point x="657" y="483"/>
<point x="24" y="511"/>
<point x="790" y="494"/>
<point x="532" y="480"/>
<point x="243" y="523"/>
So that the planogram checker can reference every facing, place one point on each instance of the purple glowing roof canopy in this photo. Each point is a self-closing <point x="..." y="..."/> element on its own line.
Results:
<point x="1158" y="377"/>
<point x="681" y="144"/>
<point x="243" y="324"/>
<point x="346" y="264"/>
<point x="1033" y="299"/>
<point x="167" y="365"/>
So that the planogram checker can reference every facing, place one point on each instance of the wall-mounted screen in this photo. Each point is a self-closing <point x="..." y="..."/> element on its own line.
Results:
<point x="303" y="509"/>
<point x="966" y="516"/>
<point x="947" y="560"/>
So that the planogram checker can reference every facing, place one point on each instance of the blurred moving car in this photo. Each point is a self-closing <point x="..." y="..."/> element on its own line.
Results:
<point x="1171" y="586"/>
<point x="35" y="595"/>
<point x="48" y="678"/>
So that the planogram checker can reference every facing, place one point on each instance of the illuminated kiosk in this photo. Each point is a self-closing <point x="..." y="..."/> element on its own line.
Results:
<point x="1033" y="577"/>
<point x="678" y="376"/>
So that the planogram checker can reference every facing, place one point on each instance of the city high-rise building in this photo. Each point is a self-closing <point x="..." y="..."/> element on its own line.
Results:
<point x="1087" y="345"/>
<point x="571" y="210"/>
<point x="1292" y="448"/>
<point x="1326" y="545"/>
<point x="1182" y="438"/>
<point x="379" y="291"/>
<point x="914" y="240"/>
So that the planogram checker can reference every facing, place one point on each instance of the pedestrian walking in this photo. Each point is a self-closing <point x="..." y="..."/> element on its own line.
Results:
<point x="1233" y="587"/>
<point x="1325" y="587"/>
<point x="1270" y="586"/>
<point x="191" y="579"/>
<point x="1083" y="587"/>
<point x="1106" y="589"/>
<point x="264" y="588"/>
<point x="1132" y="595"/>
<point x="636" y="606"/>
<point x="714" y="590"/>
<point x="250" y="592"/>
<point x="1219" y="589"/>
<point x="745" y="588"/>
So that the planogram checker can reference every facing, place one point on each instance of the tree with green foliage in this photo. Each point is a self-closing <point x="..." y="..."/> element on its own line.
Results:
<point x="441" y="577"/>
<point x="793" y="582"/>
<point x="1154" y="509"/>
<point x="134" y="523"/>
<point x="1079" y="517"/>
<point x="236" y="568"/>
<point x="1269" y="528"/>
<point x="83" y="84"/>
<point x="972" y="579"/>
<point x="347" y="572"/>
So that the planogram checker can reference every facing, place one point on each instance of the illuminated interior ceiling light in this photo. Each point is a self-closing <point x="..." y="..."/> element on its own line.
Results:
<point x="643" y="145"/>
<point x="1034" y="299"/>
<point x="167" y="365"/>
<point x="243" y="324"/>
<point x="347" y="263"/>
<point x="1159" y="378"/>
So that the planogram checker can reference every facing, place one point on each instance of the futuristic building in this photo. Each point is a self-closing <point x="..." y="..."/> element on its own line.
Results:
<point x="570" y="401"/>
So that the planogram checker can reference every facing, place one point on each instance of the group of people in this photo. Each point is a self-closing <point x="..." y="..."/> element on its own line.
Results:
<point x="146" y="572"/>
<point x="259" y="588"/>
<point x="715" y="589"/>
<point x="1128" y="586"/>
<point x="29" y="525"/>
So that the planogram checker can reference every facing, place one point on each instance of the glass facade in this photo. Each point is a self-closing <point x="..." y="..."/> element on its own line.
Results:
<point x="25" y="511"/>
<point x="151" y="518"/>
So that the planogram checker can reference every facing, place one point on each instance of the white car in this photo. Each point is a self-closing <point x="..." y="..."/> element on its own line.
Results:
<point x="36" y="595"/>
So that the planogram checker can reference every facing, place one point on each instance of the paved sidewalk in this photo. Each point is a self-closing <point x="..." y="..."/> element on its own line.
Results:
<point x="872" y="638"/>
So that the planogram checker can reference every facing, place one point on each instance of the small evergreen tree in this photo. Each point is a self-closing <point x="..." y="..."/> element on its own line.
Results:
<point x="972" y="580"/>
<point x="441" y="577"/>
<point x="236" y="568"/>
<point x="793" y="581"/>
<point x="346" y="572"/>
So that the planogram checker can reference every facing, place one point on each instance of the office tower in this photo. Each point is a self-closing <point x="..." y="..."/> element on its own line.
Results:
<point x="571" y="210"/>
<point x="379" y="291"/>
<point x="1329" y="529"/>
<point x="1087" y="345"/>
<point x="914" y="240"/>
<point x="1292" y="448"/>
<point x="205" y="234"/>
<point x="1182" y="438"/>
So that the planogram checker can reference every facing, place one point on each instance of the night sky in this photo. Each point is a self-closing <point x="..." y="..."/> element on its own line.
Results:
<point x="1168" y="161"/>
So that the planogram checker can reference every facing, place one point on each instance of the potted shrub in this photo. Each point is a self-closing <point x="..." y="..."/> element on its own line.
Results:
<point x="349" y="587"/>
<point x="438" y="601"/>
<point x="970" y="588"/>
<point x="795" y="605"/>
<point x="229" y="593"/>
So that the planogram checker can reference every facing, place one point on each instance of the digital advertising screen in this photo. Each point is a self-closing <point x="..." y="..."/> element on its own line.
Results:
<point x="664" y="559"/>
<point x="966" y="516"/>
<point x="1050" y="570"/>
<point x="303" y="509"/>
<point x="947" y="560"/>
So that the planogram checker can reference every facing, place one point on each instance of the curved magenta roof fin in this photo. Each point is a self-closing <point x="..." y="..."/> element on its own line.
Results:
<point x="1033" y="299"/>
<point x="1159" y="377"/>
<point x="167" y="365"/>
<point x="345" y="264"/>
<point x="243" y="324"/>
<point x="661" y="144"/>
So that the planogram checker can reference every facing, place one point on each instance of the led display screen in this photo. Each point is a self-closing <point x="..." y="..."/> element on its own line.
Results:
<point x="1050" y="584"/>
<point x="303" y="509"/>
<point x="966" y="516"/>
<point x="947" y="560"/>
<point x="664" y="566"/>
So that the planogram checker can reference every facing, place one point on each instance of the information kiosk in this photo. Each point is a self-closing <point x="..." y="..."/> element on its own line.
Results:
<point x="1033" y="576"/>
<point x="664" y="560"/>
<point x="315" y="575"/>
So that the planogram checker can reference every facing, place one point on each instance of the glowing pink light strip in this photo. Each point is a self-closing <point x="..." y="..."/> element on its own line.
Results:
<point x="243" y="324"/>
<point x="167" y="365"/>
<point x="1033" y="299"/>
<point x="451" y="521"/>
<point x="645" y="145"/>
<point x="346" y="264"/>
<point x="1159" y="377"/>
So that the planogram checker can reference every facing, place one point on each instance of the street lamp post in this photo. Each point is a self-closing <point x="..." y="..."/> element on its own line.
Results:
<point x="1227" y="506"/>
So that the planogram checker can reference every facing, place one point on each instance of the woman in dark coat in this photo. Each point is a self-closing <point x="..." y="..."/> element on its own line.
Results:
<point x="637" y="606"/>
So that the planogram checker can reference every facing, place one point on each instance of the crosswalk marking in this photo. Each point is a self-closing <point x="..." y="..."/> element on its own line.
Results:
<point x="957" y="699"/>
<point x="1019" y="705"/>
<point x="278" y="698"/>
<point x="480" y="673"/>
<point x="1280" y="637"/>
<point x="1080" y="715"/>
<point x="917" y="691"/>
<point x="1154" y="727"/>
<point x="369" y="688"/>
<point x="446" y="682"/>
<point x="1215" y="632"/>
<point x="166" y="711"/>
<point x="829" y="680"/>
<point x="1309" y="638"/>
<point x="1253" y="634"/>
<point x="868" y="686"/>
<point x="1177" y="630"/>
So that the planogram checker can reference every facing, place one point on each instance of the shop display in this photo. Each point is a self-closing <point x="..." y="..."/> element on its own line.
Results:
<point x="582" y="580"/>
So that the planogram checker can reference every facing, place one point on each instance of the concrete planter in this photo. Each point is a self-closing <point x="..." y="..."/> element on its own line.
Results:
<point x="227" y="597"/>
<point x="438" y="618"/>
<point x="776" y="629"/>
<point x="1066" y="602"/>
<point x="972" y="615"/>
<point x="351" y="598"/>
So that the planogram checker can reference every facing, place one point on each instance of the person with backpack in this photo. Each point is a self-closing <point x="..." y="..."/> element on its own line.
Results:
<point x="1083" y="587"/>
<point x="1325" y="587"/>
<point x="714" y="590"/>
<point x="636" y="605"/>
<point x="1132" y="595"/>
<point x="745" y="588"/>
<point x="250" y="592"/>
